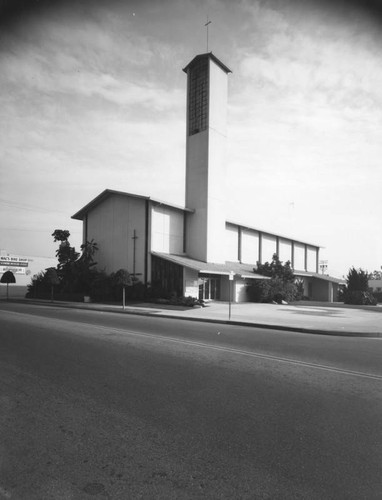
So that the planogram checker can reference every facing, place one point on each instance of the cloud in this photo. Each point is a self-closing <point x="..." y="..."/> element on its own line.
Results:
<point x="308" y="62"/>
<point x="333" y="70"/>
<point x="48" y="69"/>
<point x="94" y="97"/>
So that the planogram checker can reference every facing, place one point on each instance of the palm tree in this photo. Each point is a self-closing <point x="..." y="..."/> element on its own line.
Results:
<point x="89" y="248"/>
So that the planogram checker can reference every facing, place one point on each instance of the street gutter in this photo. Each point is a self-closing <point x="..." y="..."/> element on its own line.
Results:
<point x="250" y="324"/>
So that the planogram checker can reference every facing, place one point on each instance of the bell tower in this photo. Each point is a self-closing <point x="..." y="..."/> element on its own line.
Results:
<point x="207" y="87"/>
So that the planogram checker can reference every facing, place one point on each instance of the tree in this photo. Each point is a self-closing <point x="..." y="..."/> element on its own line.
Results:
<point x="123" y="278"/>
<point x="8" y="277"/>
<point x="357" y="288"/>
<point x="61" y="235"/>
<point x="276" y="269"/>
<point x="83" y="268"/>
<point x="75" y="270"/>
<point x="281" y="285"/>
<point x="66" y="256"/>
<point x="65" y="253"/>
<point x="375" y="275"/>
<point x="89" y="248"/>
<point x="357" y="280"/>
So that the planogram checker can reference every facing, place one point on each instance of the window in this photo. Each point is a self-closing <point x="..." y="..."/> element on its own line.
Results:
<point x="198" y="97"/>
<point x="166" y="277"/>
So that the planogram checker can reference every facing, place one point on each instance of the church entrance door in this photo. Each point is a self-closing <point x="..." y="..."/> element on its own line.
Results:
<point x="209" y="288"/>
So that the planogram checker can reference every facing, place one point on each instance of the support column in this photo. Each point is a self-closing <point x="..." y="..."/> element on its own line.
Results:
<point x="292" y="262"/>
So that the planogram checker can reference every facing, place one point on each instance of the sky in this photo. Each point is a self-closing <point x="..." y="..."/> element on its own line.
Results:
<point x="92" y="96"/>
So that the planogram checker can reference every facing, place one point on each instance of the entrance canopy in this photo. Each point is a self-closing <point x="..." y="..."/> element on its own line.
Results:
<point x="322" y="277"/>
<point x="244" y="271"/>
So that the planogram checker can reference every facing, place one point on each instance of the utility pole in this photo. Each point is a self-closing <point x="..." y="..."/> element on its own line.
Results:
<point x="134" y="238"/>
<point x="230" y="283"/>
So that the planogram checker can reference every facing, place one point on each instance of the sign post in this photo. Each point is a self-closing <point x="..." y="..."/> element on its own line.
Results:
<point x="323" y="266"/>
<point x="231" y="275"/>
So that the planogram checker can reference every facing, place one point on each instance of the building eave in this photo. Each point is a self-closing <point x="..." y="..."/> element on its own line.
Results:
<point x="269" y="233"/>
<point x="322" y="277"/>
<point x="211" y="56"/>
<point x="223" y="269"/>
<point x="111" y="192"/>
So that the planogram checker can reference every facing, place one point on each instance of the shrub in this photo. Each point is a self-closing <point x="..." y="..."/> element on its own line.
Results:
<point x="275" y="290"/>
<point x="357" y="297"/>
<point x="255" y="291"/>
<point x="341" y="293"/>
<point x="357" y="280"/>
<point x="185" y="301"/>
<point x="101" y="289"/>
<point x="138" y="291"/>
<point x="158" y="292"/>
<point x="357" y="286"/>
<point x="39" y="287"/>
<point x="281" y="285"/>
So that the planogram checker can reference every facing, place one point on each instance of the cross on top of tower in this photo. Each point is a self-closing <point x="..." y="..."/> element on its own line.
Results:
<point x="206" y="25"/>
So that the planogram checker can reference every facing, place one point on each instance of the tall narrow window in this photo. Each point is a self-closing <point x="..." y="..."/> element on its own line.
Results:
<point x="198" y="97"/>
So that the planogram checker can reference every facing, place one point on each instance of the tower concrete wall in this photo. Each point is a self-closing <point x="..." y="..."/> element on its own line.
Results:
<point x="205" y="160"/>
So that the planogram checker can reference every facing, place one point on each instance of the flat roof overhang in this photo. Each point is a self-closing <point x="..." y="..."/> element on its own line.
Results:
<point x="223" y="269"/>
<point x="322" y="277"/>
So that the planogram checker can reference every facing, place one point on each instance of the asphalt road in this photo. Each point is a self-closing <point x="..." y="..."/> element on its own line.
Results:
<point x="109" y="406"/>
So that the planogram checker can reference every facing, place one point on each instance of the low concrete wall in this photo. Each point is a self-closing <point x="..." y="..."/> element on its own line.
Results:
<point x="14" y="291"/>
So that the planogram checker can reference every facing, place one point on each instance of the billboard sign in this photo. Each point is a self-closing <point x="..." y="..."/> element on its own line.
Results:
<point x="17" y="265"/>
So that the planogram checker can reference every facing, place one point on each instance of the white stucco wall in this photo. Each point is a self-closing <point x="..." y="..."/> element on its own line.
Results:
<point x="299" y="257"/>
<point x="249" y="246"/>
<point x="312" y="259"/>
<point x="111" y="224"/>
<point x="191" y="285"/>
<point x="375" y="285"/>
<point x="218" y="98"/>
<point x="241" y="288"/>
<point x="215" y="226"/>
<point x="285" y="250"/>
<point x="322" y="290"/>
<point x="268" y="245"/>
<point x="205" y="177"/>
<point x="217" y="163"/>
<point x="166" y="229"/>
<point x="196" y="195"/>
<point x="231" y="243"/>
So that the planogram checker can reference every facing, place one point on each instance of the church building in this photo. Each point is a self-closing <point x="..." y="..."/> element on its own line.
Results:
<point x="196" y="249"/>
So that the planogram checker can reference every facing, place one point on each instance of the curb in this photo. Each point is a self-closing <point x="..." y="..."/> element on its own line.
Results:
<point x="248" y="324"/>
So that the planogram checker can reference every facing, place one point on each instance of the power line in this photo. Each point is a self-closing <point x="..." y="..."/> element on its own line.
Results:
<point x="33" y="230"/>
<point x="24" y="206"/>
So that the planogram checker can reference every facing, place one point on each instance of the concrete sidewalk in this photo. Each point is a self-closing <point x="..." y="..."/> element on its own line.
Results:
<point x="307" y="317"/>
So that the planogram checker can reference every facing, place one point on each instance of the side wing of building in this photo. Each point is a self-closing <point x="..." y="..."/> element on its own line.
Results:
<point x="127" y="227"/>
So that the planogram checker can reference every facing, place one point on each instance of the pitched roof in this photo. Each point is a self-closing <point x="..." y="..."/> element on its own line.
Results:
<point x="208" y="55"/>
<point x="110" y="192"/>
